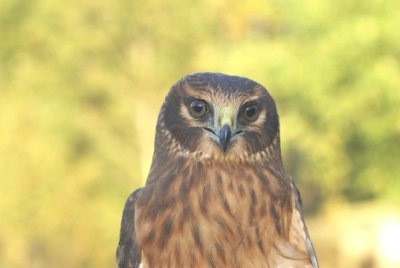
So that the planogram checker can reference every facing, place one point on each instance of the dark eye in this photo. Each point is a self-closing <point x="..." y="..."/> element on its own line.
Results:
<point x="250" y="113"/>
<point x="198" y="108"/>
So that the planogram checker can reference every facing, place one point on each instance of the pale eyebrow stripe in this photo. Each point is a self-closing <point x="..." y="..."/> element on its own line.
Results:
<point x="252" y="99"/>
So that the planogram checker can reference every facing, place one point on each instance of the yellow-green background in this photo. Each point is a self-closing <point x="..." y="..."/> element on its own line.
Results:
<point x="81" y="83"/>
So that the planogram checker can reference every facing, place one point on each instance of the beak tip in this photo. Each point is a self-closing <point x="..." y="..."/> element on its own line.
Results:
<point x="224" y="136"/>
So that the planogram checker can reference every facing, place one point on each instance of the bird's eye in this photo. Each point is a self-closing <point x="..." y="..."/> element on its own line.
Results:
<point x="250" y="113"/>
<point x="198" y="108"/>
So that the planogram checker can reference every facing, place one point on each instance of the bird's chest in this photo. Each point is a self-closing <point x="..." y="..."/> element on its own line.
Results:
<point x="209" y="221"/>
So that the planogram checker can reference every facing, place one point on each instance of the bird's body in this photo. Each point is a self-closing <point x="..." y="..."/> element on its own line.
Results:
<point x="216" y="197"/>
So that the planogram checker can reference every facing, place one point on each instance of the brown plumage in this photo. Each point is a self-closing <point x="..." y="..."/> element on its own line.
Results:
<point x="217" y="194"/>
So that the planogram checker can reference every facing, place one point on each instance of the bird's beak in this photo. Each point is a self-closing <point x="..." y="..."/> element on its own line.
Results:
<point x="224" y="136"/>
<point x="225" y="122"/>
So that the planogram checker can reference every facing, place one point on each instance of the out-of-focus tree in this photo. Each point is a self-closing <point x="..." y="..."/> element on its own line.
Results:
<point x="79" y="82"/>
<point x="67" y="136"/>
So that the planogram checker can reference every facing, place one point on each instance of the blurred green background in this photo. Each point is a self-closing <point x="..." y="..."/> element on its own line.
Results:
<point x="81" y="84"/>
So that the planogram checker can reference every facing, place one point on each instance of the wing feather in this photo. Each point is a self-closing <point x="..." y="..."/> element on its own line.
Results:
<point x="309" y="245"/>
<point x="128" y="251"/>
<point x="298" y="250"/>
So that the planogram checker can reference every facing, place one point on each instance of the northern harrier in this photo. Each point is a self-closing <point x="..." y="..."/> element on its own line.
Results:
<point x="217" y="194"/>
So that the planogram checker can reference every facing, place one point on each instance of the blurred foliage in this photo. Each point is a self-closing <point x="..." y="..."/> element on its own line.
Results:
<point x="81" y="84"/>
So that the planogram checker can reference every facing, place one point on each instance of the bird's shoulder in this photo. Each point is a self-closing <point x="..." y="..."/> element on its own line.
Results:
<point x="128" y="250"/>
<point x="297" y="249"/>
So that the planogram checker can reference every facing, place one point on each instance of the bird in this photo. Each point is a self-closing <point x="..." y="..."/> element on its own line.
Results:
<point x="217" y="193"/>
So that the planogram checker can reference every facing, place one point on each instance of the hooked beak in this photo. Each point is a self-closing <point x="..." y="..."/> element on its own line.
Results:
<point x="224" y="123"/>
<point x="224" y="135"/>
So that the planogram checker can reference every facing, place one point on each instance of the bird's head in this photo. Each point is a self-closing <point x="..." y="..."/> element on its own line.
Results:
<point x="218" y="116"/>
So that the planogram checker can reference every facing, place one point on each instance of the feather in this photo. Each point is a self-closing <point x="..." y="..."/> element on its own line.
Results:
<point x="128" y="251"/>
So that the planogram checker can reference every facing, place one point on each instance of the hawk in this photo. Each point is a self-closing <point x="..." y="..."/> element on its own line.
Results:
<point x="217" y="194"/>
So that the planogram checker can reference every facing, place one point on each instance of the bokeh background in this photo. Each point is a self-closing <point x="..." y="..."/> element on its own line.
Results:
<point x="81" y="84"/>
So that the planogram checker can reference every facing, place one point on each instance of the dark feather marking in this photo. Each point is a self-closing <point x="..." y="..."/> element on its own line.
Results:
<point x="260" y="241"/>
<point x="230" y="183"/>
<point x="218" y="178"/>
<point x="167" y="182"/>
<point x="252" y="208"/>
<point x="253" y="198"/>
<point x="265" y="184"/>
<point x="276" y="219"/>
<point x="241" y="190"/>
<point x="196" y="174"/>
<point x="196" y="236"/>
<point x="179" y="162"/>
<point x="262" y="210"/>
<point x="222" y="197"/>
<point x="263" y="179"/>
<point x="205" y="199"/>
<point x="261" y="245"/>
<point x="161" y="202"/>
<point x="258" y="231"/>
<point x="226" y="207"/>
<point x="187" y="185"/>
<point x="273" y="197"/>
<point x="250" y="178"/>
<point x="187" y="213"/>
<point x="199" y="170"/>
<point x="166" y="231"/>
